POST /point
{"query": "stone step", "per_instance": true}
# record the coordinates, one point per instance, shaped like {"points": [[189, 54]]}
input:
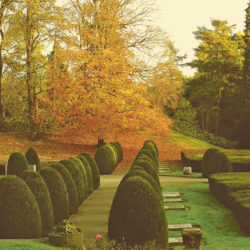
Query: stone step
{"points": [[173, 200], [165, 171], [163, 168], [180, 207], [171, 195], [175, 241], [179, 227]]}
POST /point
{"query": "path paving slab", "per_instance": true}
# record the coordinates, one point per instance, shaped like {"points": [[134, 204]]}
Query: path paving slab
{"points": [[175, 241], [178, 227], [181, 207], [171, 195], [173, 200]]}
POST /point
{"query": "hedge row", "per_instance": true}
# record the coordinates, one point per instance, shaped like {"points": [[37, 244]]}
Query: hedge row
{"points": [[108, 157], [137, 214], [46, 197], [233, 190], [237, 164]]}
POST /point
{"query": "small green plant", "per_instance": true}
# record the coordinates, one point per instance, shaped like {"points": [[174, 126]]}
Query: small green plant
{"points": [[33, 158], [17, 163], [65, 227]]}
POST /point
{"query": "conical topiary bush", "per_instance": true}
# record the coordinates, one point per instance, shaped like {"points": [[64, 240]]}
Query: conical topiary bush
{"points": [[58, 193], [94, 169], [33, 158], [137, 215], [39, 189], [19, 212], [70, 184], [17, 163]]}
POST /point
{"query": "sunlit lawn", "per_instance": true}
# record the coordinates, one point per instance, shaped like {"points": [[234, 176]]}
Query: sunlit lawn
{"points": [[220, 230]]}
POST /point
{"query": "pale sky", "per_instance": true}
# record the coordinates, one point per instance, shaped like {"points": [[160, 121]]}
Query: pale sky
{"points": [[180, 18]]}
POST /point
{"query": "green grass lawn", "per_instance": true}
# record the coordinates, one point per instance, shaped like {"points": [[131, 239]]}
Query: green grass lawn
{"points": [[220, 230], [27, 246]]}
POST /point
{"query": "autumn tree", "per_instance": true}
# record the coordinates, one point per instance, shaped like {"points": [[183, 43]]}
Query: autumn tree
{"points": [[219, 64]]}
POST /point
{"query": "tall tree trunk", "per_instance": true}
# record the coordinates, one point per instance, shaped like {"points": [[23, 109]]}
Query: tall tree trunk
{"points": [[29, 73]]}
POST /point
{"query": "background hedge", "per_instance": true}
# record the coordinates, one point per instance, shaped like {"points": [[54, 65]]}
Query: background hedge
{"points": [[33, 158]]}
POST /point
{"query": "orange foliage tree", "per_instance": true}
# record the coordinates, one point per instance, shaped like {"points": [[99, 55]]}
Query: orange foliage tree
{"points": [[93, 92]]}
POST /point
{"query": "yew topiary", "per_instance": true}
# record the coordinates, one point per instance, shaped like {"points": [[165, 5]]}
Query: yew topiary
{"points": [[94, 169], [19, 211], [105, 160], [76, 174], [17, 163], [143, 156], [58, 193], [33, 158], [151, 144], [137, 215], [70, 184], [89, 173], [149, 152], [39, 189], [78, 162], [115, 153], [119, 150], [206, 161]]}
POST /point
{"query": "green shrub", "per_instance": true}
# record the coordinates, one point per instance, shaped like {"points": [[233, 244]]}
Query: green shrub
{"points": [[115, 152], [76, 174], [33, 158], [70, 184], [151, 144], [19, 212], [58, 193], [17, 163], [142, 156], [137, 214], [105, 160], [94, 169], [152, 149], [78, 162], [119, 150], [39, 189], [88, 172], [149, 168], [137, 170], [149, 152], [218, 163], [206, 161]]}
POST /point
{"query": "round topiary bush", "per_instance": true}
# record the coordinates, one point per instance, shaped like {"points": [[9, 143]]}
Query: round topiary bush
{"points": [[152, 144], [88, 171], [19, 212], [94, 169], [149, 168], [205, 161], [139, 171], [76, 174], [39, 189], [115, 153], [119, 150], [137, 214], [105, 160], [70, 184], [58, 193], [219, 163], [17, 163], [78, 162], [33, 158]]}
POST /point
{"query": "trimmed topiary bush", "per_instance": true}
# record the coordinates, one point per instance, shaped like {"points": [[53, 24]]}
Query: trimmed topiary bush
{"points": [[70, 184], [119, 150], [137, 214], [206, 161], [19, 212], [39, 189], [143, 156], [149, 152], [78, 162], [115, 153], [149, 168], [89, 173], [17, 163], [152, 149], [76, 174], [94, 169], [219, 163], [33, 158], [105, 160], [58, 193], [152, 145]]}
